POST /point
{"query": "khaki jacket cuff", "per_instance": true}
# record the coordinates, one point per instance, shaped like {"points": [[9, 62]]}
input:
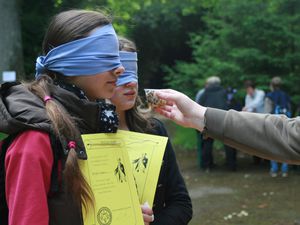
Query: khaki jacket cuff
{"points": [[214, 123]]}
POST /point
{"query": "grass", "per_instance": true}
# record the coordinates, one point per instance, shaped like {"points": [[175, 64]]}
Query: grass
{"points": [[2, 136], [185, 138]]}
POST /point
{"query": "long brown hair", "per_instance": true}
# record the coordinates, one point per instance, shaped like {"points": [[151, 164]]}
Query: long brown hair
{"points": [[65, 27], [136, 119]]}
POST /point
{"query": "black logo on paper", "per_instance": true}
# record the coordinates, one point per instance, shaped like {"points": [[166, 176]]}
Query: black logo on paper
{"points": [[104, 216], [120, 172], [141, 163]]}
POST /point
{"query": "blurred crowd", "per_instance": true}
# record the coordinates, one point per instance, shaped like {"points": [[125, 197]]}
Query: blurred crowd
{"points": [[273, 101]]}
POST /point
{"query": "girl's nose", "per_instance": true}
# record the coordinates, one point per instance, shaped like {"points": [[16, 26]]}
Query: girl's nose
{"points": [[117, 72], [131, 84]]}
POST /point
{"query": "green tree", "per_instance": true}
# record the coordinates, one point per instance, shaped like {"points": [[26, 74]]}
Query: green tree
{"points": [[160, 29], [161, 32], [245, 39], [35, 16]]}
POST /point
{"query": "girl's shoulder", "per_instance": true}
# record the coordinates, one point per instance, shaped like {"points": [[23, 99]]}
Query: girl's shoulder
{"points": [[29, 141], [158, 127]]}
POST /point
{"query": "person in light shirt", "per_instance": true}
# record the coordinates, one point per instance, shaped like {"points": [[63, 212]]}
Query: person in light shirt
{"points": [[254, 100]]}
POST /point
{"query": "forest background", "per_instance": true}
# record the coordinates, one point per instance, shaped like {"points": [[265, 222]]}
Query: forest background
{"points": [[180, 42]]}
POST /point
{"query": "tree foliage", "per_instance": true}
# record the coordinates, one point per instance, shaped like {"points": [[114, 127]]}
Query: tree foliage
{"points": [[181, 43], [161, 33], [160, 29], [244, 40]]}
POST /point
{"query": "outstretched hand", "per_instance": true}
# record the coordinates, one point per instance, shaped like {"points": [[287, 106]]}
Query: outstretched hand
{"points": [[181, 109]]}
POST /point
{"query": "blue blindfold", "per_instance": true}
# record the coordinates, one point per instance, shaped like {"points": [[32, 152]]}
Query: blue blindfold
{"points": [[94, 54], [129, 62]]}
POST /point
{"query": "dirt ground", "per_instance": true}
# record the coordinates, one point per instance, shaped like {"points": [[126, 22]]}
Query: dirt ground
{"points": [[248, 196]]}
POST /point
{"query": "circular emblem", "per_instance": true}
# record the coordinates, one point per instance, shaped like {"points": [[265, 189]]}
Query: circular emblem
{"points": [[104, 216]]}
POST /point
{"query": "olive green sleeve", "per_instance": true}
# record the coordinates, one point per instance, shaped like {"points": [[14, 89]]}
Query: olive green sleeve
{"points": [[268, 136]]}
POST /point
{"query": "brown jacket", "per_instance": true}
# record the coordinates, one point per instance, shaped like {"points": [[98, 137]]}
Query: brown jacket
{"points": [[268, 136]]}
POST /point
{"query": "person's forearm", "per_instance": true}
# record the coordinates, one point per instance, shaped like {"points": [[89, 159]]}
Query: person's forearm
{"points": [[268, 136], [197, 117]]}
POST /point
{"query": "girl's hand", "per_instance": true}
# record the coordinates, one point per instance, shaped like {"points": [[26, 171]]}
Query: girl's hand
{"points": [[147, 213]]}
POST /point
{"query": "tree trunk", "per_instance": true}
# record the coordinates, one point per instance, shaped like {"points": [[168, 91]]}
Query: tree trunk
{"points": [[11, 56]]}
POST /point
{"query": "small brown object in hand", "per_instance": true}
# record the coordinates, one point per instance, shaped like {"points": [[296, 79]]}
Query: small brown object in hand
{"points": [[152, 99]]}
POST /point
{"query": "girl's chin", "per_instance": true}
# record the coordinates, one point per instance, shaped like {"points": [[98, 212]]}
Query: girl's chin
{"points": [[126, 107]]}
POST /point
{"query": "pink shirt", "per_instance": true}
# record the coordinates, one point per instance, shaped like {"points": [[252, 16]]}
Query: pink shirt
{"points": [[28, 165]]}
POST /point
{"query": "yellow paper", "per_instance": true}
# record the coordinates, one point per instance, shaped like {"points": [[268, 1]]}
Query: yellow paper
{"points": [[146, 153], [108, 171]]}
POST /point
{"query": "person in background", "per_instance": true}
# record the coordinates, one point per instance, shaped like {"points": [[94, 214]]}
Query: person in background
{"points": [[297, 113], [278, 102], [214, 95], [40, 179], [172, 204], [232, 101], [231, 153], [267, 136], [254, 102], [199, 94]]}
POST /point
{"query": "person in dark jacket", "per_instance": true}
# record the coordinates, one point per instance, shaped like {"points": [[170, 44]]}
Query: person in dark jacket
{"points": [[40, 180], [230, 152], [278, 102], [172, 204], [215, 96]]}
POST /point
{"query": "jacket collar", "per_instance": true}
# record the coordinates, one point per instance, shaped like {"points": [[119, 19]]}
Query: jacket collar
{"points": [[21, 110]]}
